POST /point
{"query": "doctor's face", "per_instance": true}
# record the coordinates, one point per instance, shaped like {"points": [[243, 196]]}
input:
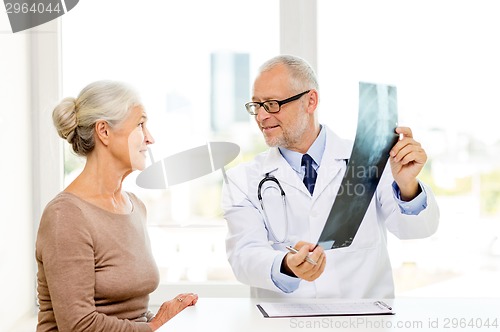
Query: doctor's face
{"points": [[287, 127]]}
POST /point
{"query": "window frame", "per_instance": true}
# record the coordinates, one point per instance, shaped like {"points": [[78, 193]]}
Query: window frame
{"points": [[48, 162]]}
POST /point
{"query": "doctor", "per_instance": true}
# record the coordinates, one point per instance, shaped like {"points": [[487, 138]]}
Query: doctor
{"points": [[284, 102]]}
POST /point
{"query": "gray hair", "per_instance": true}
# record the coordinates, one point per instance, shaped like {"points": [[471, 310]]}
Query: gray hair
{"points": [[75, 119], [302, 75]]}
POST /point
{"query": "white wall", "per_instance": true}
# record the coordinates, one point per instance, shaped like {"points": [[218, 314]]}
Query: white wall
{"points": [[31, 157], [17, 285]]}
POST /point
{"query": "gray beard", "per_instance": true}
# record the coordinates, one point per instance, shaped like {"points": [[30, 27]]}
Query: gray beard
{"points": [[291, 137]]}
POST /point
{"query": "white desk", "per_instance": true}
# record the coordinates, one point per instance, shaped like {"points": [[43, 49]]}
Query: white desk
{"points": [[242, 315]]}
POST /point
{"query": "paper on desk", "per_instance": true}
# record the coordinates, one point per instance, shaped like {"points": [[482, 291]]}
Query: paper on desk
{"points": [[359, 308]]}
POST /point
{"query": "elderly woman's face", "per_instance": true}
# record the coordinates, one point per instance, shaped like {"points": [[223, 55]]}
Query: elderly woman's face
{"points": [[131, 137], [138, 139]]}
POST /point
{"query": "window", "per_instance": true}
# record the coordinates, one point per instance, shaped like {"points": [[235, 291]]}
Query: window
{"points": [[442, 58], [192, 62]]}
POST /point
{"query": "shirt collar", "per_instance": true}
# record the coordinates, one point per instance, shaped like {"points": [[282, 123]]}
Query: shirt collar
{"points": [[316, 150]]}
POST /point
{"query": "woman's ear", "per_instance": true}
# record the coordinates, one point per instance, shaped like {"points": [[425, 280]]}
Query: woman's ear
{"points": [[102, 131]]}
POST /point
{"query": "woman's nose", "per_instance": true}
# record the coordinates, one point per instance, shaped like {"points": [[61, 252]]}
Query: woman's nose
{"points": [[149, 138]]}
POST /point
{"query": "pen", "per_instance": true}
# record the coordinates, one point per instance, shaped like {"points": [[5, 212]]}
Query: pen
{"points": [[294, 251], [382, 305]]}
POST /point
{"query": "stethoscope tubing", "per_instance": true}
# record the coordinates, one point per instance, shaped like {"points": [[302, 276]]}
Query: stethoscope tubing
{"points": [[266, 178], [283, 199]]}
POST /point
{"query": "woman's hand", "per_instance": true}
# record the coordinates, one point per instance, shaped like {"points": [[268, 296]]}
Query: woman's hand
{"points": [[171, 308]]}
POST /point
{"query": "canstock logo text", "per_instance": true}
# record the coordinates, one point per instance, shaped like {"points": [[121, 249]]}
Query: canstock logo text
{"points": [[26, 14]]}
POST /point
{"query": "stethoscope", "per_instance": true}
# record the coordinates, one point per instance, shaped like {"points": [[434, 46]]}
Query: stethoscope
{"points": [[266, 178]]}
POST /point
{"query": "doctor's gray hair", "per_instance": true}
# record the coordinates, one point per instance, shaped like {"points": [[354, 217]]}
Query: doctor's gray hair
{"points": [[75, 118], [302, 75]]}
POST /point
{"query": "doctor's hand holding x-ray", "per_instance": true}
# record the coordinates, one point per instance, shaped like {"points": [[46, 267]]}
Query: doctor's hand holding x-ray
{"points": [[407, 158], [262, 222]]}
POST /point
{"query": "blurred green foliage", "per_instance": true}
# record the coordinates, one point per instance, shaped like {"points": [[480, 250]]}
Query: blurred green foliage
{"points": [[72, 162], [489, 188], [490, 192]]}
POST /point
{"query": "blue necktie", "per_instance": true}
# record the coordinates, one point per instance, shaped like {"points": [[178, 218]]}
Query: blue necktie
{"points": [[310, 173]]}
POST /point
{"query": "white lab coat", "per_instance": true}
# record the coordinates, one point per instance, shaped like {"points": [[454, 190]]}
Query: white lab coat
{"points": [[362, 270]]}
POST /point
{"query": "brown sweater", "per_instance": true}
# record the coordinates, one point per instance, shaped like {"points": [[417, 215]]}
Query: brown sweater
{"points": [[95, 268]]}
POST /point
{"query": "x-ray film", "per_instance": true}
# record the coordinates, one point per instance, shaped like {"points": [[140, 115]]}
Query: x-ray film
{"points": [[375, 136]]}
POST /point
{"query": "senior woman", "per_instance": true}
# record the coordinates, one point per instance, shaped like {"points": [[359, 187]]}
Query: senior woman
{"points": [[95, 266]]}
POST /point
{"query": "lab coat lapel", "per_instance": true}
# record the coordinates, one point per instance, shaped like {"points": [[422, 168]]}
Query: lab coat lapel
{"points": [[337, 150], [278, 167], [333, 160]]}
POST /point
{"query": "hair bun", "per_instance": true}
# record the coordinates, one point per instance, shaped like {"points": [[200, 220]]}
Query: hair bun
{"points": [[64, 118], [75, 118]]}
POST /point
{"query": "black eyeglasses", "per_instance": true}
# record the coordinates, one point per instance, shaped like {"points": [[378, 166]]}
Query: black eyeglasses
{"points": [[271, 106]]}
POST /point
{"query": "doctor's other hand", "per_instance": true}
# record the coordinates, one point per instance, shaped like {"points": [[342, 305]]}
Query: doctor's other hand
{"points": [[297, 264], [171, 308], [407, 158]]}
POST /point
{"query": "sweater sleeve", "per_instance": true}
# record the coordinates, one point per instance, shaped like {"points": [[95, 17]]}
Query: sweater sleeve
{"points": [[66, 254]]}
